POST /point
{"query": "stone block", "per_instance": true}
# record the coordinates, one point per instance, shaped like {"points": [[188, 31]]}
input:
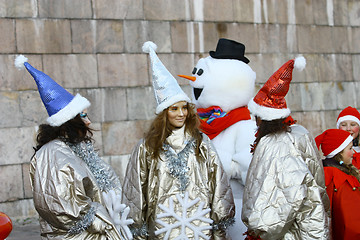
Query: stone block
{"points": [[321, 14], [119, 164], [356, 70], [65, 9], [243, 11], [95, 97], [166, 10], [43, 36], [196, 37], [304, 12], [32, 109], [115, 9], [326, 67], [98, 145], [357, 90], [344, 67], [7, 40], [19, 209], [12, 79], [264, 71], [310, 120], [340, 12], [138, 32], [141, 103], [179, 64], [115, 104], [354, 9], [213, 12], [317, 96], [346, 94], [83, 36], [109, 36], [328, 119], [341, 45], [315, 39], [245, 33], [121, 137], [183, 36], [123, 70], [272, 38], [10, 109], [18, 8], [293, 97], [16, 145], [26, 180], [311, 73], [72, 71], [11, 185], [354, 46]]}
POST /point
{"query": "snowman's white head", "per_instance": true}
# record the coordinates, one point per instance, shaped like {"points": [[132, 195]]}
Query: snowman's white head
{"points": [[227, 83]]}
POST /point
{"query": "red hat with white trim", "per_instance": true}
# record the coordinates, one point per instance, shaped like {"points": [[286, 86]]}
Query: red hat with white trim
{"points": [[269, 103], [348, 113], [333, 141]]}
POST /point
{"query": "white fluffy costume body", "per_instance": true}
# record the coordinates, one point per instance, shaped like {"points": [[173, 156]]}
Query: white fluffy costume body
{"points": [[223, 84]]}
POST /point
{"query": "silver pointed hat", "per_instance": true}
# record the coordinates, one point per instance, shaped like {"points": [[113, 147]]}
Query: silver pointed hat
{"points": [[166, 88]]}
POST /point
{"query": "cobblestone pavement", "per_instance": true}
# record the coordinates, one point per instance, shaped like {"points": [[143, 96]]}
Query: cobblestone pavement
{"points": [[25, 230]]}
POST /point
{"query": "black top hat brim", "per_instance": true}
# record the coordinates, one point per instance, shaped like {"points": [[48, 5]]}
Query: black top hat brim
{"points": [[216, 55]]}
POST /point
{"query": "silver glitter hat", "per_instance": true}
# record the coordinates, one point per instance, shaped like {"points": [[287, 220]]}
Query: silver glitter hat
{"points": [[167, 90]]}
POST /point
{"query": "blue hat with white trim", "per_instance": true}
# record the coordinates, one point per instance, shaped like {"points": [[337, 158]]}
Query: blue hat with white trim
{"points": [[59, 103]]}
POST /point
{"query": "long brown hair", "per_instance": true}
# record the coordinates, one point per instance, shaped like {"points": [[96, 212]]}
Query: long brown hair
{"points": [[270, 127], [346, 168], [73, 131], [161, 128]]}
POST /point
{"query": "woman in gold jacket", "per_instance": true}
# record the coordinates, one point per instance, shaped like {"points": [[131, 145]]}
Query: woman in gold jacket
{"points": [[76, 194], [175, 185]]}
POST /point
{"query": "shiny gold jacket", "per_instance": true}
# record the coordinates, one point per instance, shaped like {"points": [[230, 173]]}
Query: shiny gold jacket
{"points": [[285, 195], [154, 192], [67, 196]]}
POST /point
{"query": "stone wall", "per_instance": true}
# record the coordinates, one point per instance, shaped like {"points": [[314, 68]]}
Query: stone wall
{"points": [[94, 47]]}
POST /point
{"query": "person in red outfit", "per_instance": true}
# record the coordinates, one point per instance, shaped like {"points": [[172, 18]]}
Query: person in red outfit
{"points": [[342, 181], [349, 120]]}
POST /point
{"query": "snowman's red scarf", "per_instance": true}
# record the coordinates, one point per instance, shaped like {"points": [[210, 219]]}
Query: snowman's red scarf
{"points": [[222, 121]]}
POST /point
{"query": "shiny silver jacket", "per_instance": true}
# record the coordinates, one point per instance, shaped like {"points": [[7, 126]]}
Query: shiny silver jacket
{"points": [[285, 195], [150, 187], [67, 196]]}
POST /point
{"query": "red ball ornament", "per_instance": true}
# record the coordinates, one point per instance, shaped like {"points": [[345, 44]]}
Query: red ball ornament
{"points": [[5, 225]]}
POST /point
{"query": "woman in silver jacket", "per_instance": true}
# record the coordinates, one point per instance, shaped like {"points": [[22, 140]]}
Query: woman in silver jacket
{"points": [[284, 195], [76, 194], [175, 185]]}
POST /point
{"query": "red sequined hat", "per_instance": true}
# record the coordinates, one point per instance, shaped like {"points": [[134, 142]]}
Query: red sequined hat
{"points": [[269, 103]]}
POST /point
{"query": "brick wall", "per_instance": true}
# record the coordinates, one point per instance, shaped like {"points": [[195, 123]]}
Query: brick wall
{"points": [[94, 47]]}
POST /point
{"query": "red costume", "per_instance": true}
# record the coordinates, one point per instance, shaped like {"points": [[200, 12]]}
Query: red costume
{"points": [[344, 193]]}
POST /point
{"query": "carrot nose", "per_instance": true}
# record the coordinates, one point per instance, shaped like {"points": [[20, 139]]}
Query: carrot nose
{"points": [[191, 78]]}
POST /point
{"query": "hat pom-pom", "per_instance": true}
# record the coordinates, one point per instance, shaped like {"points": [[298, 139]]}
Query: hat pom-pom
{"points": [[148, 46], [19, 61], [300, 63]]}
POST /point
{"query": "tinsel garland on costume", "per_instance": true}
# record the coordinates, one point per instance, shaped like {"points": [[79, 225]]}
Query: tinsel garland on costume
{"points": [[177, 163], [223, 224], [85, 151], [84, 223], [139, 231]]}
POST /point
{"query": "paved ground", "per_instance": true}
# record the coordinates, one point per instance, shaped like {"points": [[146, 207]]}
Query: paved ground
{"points": [[25, 230]]}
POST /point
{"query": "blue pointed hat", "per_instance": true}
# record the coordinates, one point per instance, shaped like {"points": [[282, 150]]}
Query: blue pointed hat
{"points": [[59, 103]]}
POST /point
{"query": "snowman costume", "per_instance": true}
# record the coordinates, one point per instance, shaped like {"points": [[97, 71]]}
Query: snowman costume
{"points": [[223, 84]]}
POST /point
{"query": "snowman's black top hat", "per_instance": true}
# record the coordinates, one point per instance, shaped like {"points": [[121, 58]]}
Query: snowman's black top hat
{"points": [[229, 49]]}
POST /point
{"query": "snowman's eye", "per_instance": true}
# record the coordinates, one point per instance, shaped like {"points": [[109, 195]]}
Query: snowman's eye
{"points": [[200, 72], [194, 70]]}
